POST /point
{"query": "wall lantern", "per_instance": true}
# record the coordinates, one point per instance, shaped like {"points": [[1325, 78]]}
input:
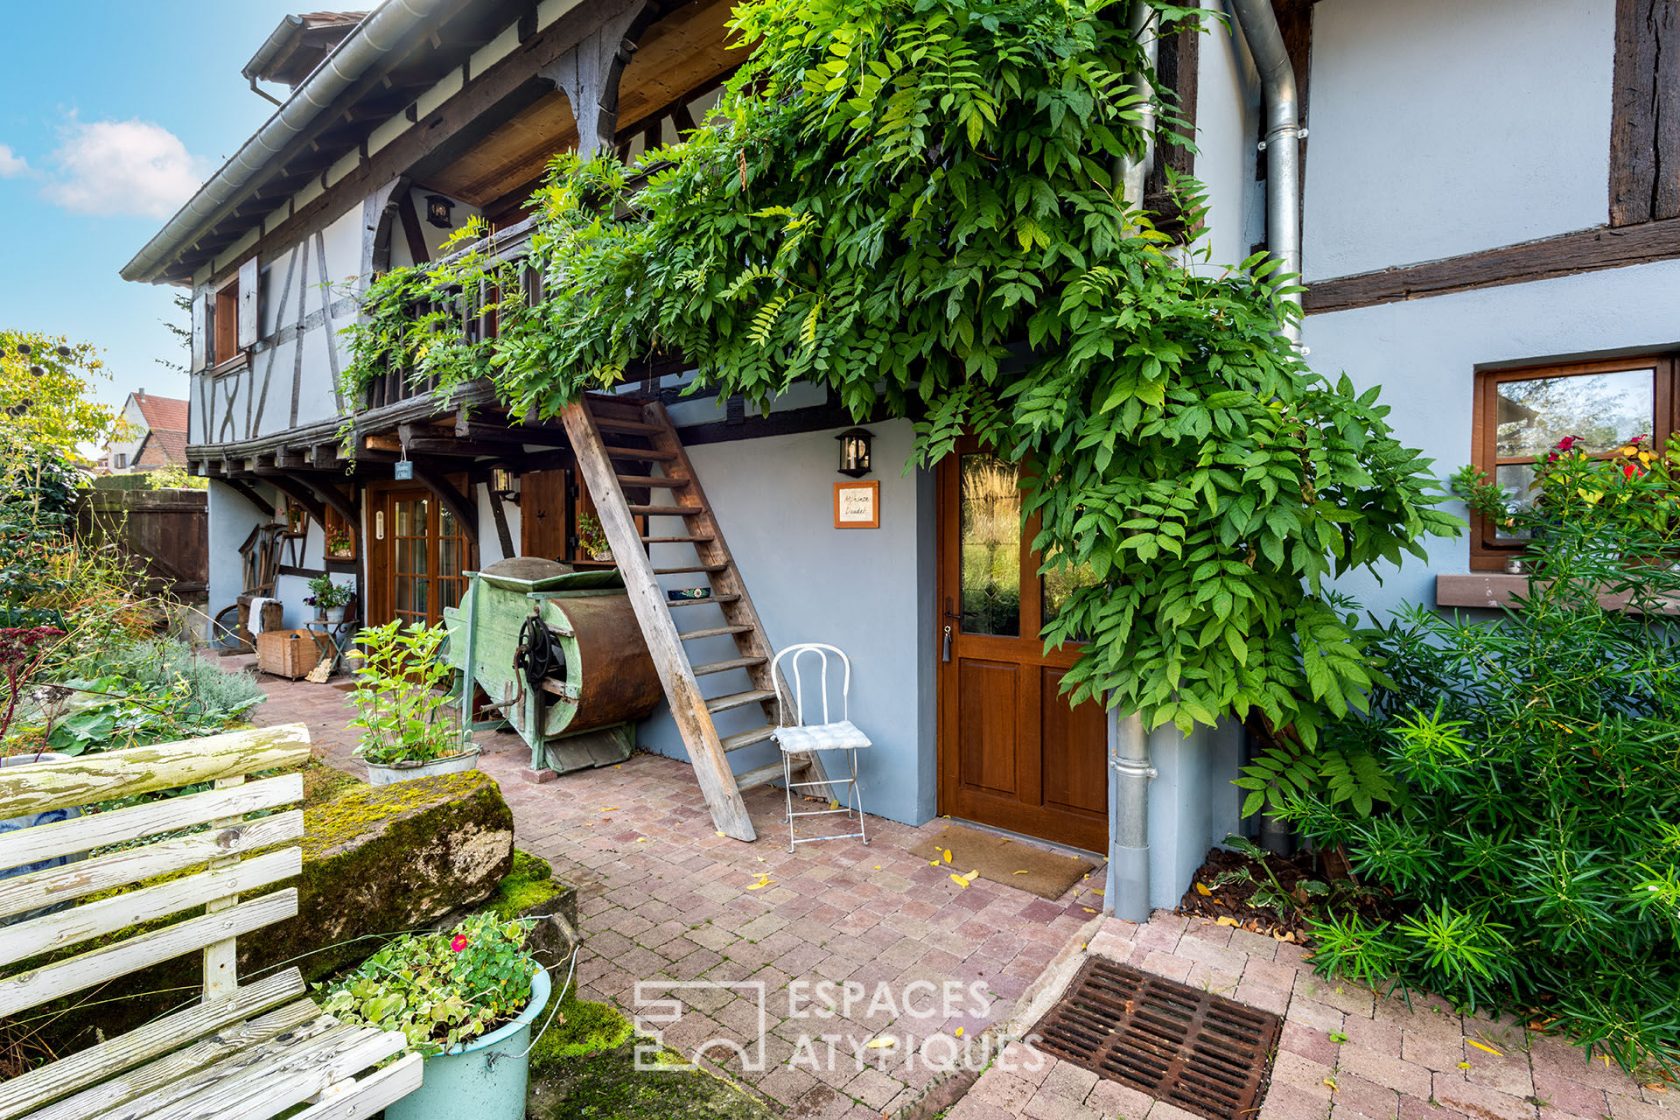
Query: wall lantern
{"points": [[854, 451], [438, 210], [504, 484]]}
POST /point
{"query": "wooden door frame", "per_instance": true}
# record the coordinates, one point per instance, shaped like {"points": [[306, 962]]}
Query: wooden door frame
{"points": [[381, 605], [947, 589]]}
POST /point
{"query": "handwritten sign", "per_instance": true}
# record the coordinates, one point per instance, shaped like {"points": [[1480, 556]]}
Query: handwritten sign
{"points": [[857, 505]]}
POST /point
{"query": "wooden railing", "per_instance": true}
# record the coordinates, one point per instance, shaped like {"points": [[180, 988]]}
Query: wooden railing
{"points": [[474, 310]]}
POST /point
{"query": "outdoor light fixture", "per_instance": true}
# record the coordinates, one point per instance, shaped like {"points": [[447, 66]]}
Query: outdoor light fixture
{"points": [[504, 484], [438, 209], [854, 451]]}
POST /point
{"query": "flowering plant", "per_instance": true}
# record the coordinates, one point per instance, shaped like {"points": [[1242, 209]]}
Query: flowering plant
{"points": [[1635, 485], [440, 989], [323, 592]]}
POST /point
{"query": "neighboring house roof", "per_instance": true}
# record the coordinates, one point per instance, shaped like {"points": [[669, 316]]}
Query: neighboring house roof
{"points": [[401, 49], [162, 448], [162, 413]]}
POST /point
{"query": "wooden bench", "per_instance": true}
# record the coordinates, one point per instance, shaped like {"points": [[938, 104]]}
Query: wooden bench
{"points": [[160, 880]]}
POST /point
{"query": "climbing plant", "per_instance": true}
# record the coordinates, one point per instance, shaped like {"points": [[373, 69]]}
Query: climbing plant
{"points": [[915, 204]]}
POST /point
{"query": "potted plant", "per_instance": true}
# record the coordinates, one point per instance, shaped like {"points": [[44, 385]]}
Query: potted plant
{"points": [[328, 598], [466, 1000], [592, 538], [339, 544], [403, 707]]}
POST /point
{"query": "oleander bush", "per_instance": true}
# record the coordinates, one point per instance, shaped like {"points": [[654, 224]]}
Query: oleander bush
{"points": [[1531, 847]]}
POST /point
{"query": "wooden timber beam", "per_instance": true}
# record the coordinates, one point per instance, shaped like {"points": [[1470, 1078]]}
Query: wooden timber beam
{"points": [[302, 495], [248, 492], [486, 431]]}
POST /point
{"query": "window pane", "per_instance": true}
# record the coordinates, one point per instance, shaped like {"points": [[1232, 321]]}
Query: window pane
{"points": [[1604, 410], [1518, 481], [1060, 582], [991, 547]]}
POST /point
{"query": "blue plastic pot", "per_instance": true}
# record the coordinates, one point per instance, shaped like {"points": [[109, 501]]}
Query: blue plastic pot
{"points": [[484, 1079], [30, 820]]}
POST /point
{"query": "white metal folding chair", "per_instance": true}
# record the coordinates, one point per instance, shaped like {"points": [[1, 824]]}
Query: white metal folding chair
{"points": [[801, 735]]}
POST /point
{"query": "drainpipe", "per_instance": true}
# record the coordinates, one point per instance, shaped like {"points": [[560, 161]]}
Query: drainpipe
{"points": [[1129, 771], [1281, 143]]}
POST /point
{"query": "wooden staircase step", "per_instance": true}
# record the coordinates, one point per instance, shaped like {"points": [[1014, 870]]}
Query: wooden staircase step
{"points": [[743, 739], [639, 454], [615, 424], [720, 600], [678, 540], [691, 568], [713, 632], [667, 511], [764, 775], [739, 699], [726, 666], [617, 404], [640, 481]]}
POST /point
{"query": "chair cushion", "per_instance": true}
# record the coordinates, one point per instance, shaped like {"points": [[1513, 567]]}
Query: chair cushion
{"points": [[841, 736]]}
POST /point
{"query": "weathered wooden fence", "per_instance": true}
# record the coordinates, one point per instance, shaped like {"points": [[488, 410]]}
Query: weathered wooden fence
{"points": [[167, 532]]}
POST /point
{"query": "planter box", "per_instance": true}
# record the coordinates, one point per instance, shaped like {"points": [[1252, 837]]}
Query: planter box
{"points": [[379, 775]]}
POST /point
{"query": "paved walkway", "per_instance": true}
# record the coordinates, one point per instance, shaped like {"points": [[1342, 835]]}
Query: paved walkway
{"points": [[1345, 1053], [913, 957]]}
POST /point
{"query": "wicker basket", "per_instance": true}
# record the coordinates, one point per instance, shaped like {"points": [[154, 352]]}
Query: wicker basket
{"points": [[287, 653]]}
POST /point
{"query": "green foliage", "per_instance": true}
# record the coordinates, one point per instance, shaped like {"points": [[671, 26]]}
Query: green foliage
{"points": [[174, 478], [915, 205], [44, 385], [323, 592], [440, 989], [581, 1029], [212, 693], [1532, 847], [401, 703]]}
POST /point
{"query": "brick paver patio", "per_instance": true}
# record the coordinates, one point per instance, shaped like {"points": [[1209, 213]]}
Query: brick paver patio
{"points": [[1346, 1053], [665, 898]]}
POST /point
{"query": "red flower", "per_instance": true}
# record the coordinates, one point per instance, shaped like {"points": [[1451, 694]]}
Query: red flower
{"points": [[1567, 443], [1628, 470], [459, 943]]}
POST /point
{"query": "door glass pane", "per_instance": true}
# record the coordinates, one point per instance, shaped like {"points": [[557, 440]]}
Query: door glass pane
{"points": [[990, 547], [1603, 410], [1062, 581]]}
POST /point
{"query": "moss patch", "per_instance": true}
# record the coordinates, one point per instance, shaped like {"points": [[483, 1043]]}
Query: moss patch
{"points": [[582, 1028], [529, 885], [608, 1086]]}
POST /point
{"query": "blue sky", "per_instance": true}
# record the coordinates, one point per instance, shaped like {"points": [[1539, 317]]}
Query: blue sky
{"points": [[111, 113]]}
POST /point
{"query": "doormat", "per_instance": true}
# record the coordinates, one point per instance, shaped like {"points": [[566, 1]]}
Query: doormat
{"points": [[1201, 1052], [1002, 860]]}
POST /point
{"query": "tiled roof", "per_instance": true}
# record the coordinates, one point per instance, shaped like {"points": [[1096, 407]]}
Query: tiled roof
{"points": [[162, 448], [165, 414]]}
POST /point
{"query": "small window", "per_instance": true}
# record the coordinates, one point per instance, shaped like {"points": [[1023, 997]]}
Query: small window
{"points": [[225, 323], [1521, 414], [119, 460], [341, 540]]}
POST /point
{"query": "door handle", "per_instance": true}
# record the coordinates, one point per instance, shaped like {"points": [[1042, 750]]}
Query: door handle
{"points": [[945, 645]]}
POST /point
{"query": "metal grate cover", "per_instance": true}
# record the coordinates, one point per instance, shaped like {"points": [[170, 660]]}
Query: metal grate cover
{"points": [[1198, 1051]]}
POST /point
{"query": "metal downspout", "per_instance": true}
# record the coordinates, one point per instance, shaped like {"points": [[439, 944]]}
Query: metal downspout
{"points": [[1281, 141], [1129, 771]]}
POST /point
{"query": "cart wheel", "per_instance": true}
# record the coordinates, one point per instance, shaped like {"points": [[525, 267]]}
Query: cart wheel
{"points": [[224, 629]]}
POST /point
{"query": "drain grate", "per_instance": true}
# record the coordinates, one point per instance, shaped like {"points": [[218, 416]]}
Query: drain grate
{"points": [[1198, 1051]]}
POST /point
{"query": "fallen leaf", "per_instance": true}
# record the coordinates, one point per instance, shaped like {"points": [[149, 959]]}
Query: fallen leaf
{"points": [[1331, 1081], [1485, 1047], [1201, 889], [947, 855], [933, 863], [1023, 871], [609, 808], [885, 1042], [720, 832], [1463, 1065], [833, 804], [763, 881], [641, 839], [877, 867], [1226, 920], [959, 880], [1088, 909], [958, 1032]]}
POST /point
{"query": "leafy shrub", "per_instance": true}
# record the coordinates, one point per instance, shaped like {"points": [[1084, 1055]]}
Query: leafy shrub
{"points": [[401, 703], [162, 663], [440, 989], [1533, 843]]}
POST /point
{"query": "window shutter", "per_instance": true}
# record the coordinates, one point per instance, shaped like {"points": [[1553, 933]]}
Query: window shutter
{"points": [[200, 327], [249, 323]]}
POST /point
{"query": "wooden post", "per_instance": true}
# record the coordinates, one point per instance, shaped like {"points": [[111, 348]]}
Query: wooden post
{"points": [[647, 599]]}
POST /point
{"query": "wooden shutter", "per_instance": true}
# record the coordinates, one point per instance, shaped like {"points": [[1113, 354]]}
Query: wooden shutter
{"points": [[200, 327], [249, 323]]}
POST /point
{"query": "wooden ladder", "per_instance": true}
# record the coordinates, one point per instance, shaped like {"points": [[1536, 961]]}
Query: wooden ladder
{"points": [[619, 442]]}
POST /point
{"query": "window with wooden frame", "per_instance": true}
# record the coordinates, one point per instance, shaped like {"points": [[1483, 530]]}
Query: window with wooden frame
{"points": [[224, 337], [1521, 414], [341, 539]]}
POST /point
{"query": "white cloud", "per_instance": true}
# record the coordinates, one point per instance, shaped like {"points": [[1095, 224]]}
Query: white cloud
{"points": [[11, 164], [123, 167]]}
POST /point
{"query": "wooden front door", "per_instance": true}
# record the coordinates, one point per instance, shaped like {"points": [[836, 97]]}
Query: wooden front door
{"points": [[1012, 752], [542, 515], [416, 557]]}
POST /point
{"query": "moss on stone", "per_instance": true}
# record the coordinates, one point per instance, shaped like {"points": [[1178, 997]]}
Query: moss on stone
{"points": [[525, 888], [608, 1086], [582, 1028]]}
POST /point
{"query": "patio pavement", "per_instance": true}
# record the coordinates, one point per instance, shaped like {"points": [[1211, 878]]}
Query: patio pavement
{"points": [[665, 899]]}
